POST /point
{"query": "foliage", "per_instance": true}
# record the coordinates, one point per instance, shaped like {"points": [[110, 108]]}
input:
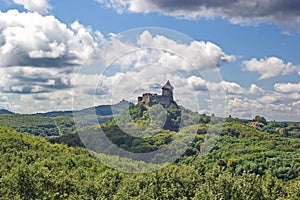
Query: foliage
{"points": [[260, 119], [244, 163], [33, 168], [38, 125]]}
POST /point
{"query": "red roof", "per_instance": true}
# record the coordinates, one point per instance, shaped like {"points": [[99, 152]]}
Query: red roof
{"points": [[254, 124]]}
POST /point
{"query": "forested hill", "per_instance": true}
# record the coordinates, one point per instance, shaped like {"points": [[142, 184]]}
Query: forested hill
{"points": [[4, 111], [101, 110], [32, 168], [57, 123], [257, 160]]}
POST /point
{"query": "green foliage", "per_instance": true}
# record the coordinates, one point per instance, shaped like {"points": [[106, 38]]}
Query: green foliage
{"points": [[136, 111], [260, 119], [244, 163], [38, 125], [32, 168]]}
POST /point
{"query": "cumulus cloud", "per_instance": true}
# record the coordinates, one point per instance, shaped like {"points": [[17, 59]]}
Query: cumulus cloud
{"points": [[4, 101], [176, 56], [276, 97], [40, 6], [271, 98], [38, 66], [254, 89], [296, 104], [44, 42], [41, 59], [199, 84], [244, 107], [3, 98], [269, 67], [33, 80], [39, 63], [236, 11], [287, 87]]}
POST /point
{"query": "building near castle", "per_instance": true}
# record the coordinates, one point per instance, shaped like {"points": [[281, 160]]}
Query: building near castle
{"points": [[165, 99]]}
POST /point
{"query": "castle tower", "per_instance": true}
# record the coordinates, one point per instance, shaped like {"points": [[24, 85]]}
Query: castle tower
{"points": [[167, 90]]}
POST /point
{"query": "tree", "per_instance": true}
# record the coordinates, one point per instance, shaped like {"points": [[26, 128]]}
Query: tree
{"points": [[260, 119]]}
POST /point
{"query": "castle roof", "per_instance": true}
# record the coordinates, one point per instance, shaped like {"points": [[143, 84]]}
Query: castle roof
{"points": [[168, 86]]}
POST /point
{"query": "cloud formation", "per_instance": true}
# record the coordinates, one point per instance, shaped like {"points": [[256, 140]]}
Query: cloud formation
{"points": [[236, 11], [254, 89], [244, 107], [287, 87], [40, 6], [199, 84], [153, 48], [38, 65], [269, 67], [44, 42], [37, 68], [42, 57]]}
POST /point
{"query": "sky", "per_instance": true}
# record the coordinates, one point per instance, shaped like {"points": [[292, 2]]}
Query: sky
{"points": [[233, 57]]}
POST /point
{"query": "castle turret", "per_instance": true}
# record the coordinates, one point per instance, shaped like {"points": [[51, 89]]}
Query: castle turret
{"points": [[167, 90]]}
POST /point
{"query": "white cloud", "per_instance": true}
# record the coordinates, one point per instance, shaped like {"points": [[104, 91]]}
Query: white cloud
{"points": [[199, 84], [236, 11], [4, 101], [40, 6], [38, 66], [39, 63], [269, 67], [42, 57], [287, 87], [44, 42], [243, 107], [275, 97], [231, 87], [271, 98], [254, 89], [3, 98], [150, 48], [296, 104]]}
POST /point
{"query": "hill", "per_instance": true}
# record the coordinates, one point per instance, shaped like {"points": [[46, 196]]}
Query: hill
{"points": [[239, 148], [101, 110], [245, 163], [58, 123], [4, 111], [38, 125], [33, 168]]}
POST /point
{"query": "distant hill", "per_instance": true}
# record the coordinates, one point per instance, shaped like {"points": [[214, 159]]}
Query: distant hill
{"points": [[102, 110], [56, 114], [58, 123], [4, 111]]}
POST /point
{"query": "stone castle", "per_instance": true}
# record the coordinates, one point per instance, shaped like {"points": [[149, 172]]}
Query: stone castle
{"points": [[165, 99]]}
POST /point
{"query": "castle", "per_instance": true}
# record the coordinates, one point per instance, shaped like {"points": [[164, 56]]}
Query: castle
{"points": [[166, 99]]}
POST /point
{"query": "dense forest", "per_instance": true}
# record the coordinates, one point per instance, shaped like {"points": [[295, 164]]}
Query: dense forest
{"points": [[246, 162]]}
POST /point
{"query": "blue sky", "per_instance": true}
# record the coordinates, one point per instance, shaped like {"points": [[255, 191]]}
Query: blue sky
{"points": [[256, 46]]}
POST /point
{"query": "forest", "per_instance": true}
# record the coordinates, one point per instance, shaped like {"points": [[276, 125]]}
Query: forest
{"points": [[43, 157]]}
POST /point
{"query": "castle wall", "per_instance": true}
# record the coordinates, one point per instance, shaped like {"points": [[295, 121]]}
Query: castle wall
{"points": [[151, 99], [165, 100]]}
